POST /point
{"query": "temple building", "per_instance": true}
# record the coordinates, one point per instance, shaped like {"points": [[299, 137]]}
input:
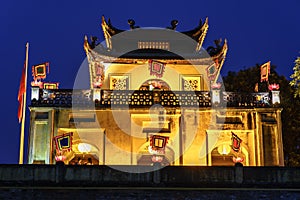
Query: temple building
{"points": [[154, 95]]}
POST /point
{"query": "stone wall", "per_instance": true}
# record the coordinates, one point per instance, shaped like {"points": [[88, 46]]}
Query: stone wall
{"points": [[103, 182]]}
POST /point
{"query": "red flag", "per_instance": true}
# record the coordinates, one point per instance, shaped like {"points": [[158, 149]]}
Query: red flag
{"points": [[22, 89]]}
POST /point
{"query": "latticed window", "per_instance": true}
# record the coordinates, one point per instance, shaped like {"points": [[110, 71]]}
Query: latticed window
{"points": [[154, 45]]}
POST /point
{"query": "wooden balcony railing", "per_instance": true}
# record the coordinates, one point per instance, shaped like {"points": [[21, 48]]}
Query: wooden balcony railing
{"points": [[138, 98]]}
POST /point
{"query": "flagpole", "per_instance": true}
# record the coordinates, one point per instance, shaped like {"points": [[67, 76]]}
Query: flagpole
{"points": [[21, 153]]}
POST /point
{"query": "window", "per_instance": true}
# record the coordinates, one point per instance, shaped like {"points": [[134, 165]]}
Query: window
{"points": [[154, 45], [191, 83], [119, 82]]}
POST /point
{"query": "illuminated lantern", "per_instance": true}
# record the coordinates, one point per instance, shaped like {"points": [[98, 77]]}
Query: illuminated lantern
{"points": [[265, 71], [236, 142], [156, 68], [63, 142], [50, 86], [39, 71], [158, 142]]}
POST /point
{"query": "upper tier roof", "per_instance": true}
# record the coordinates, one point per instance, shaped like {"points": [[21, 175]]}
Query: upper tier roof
{"points": [[194, 33], [197, 34], [155, 43]]}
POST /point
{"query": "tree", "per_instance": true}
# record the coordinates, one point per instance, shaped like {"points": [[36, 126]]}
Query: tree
{"points": [[245, 81], [296, 77]]}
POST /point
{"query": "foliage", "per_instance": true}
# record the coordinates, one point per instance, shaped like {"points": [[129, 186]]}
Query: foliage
{"points": [[245, 81], [296, 77]]}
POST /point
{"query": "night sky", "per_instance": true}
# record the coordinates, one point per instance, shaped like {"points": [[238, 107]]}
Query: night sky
{"points": [[257, 31]]}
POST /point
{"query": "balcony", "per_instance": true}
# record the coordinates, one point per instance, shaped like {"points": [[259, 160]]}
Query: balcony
{"points": [[139, 98]]}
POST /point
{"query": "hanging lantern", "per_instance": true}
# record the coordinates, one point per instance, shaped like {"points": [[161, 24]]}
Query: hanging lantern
{"points": [[63, 142], [158, 142], [156, 68], [236, 142]]}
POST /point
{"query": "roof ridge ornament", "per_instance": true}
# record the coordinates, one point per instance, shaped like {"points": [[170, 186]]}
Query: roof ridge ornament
{"points": [[218, 55], [215, 50], [131, 23], [200, 22], [94, 42], [174, 24]]}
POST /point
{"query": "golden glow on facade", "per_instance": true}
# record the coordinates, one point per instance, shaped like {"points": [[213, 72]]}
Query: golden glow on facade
{"points": [[115, 119], [84, 147], [224, 149]]}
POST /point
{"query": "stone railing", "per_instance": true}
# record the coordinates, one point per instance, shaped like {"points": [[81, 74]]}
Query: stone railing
{"points": [[169, 176], [140, 98], [188, 182]]}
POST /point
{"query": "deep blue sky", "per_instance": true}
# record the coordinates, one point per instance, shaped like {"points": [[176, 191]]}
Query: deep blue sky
{"points": [[257, 31]]}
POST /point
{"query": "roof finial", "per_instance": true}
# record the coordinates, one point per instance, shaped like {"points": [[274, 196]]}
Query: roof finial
{"points": [[93, 43], [215, 50], [131, 23], [200, 22], [174, 24]]}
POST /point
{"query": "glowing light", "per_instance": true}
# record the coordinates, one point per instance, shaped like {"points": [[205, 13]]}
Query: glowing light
{"points": [[84, 147], [224, 149], [273, 86], [155, 151], [60, 158], [157, 158], [237, 159]]}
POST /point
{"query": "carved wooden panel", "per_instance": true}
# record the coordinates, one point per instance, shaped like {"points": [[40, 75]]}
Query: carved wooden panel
{"points": [[119, 82], [191, 83]]}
